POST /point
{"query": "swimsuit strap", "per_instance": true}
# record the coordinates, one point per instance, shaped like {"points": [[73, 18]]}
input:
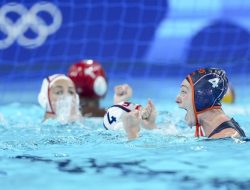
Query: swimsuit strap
{"points": [[226, 125]]}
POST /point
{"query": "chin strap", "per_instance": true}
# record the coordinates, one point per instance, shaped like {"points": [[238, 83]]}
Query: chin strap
{"points": [[49, 112], [198, 131]]}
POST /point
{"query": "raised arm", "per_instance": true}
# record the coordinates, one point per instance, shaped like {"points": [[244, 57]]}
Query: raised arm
{"points": [[131, 123]]}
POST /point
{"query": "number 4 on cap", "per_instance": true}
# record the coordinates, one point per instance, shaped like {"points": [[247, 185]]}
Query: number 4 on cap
{"points": [[214, 82]]}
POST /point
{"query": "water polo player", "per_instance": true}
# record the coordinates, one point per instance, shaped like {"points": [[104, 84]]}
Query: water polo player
{"points": [[91, 85], [59, 99], [200, 95]]}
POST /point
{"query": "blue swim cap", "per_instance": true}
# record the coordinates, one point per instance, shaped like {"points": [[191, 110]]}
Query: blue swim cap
{"points": [[209, 86]]}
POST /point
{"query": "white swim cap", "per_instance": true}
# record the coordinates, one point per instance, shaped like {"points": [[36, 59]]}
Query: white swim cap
{"points": [[113, 118], [43, 97]]}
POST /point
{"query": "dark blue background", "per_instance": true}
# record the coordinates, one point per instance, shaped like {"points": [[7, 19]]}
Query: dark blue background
{"points": [[118, 34], [110, 31]]}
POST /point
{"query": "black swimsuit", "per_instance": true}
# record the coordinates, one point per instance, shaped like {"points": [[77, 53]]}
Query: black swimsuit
{"points": [[226, 125]]}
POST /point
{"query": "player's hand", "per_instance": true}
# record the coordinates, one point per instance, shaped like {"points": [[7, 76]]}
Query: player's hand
{"points": [[148, 115], [122, 93], [131, 122]]}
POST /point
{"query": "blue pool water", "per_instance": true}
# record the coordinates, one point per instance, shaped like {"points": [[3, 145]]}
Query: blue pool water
{"points": [[35, 155]]}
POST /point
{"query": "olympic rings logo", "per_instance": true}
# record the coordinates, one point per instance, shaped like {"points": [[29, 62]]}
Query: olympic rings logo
{"points": [[15, 30]]}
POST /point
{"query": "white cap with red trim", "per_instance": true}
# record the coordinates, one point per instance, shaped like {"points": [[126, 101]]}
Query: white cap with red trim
{"points": [[43, 97]]}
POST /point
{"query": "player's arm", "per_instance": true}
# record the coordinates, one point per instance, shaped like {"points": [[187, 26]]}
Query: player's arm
{"points": [[131, 123]]}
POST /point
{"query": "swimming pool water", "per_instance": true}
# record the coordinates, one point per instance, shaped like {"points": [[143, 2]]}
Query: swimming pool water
{"points": [[35, 155]]}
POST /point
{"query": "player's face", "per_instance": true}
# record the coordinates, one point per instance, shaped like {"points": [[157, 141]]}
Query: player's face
{"points": [[62, 95], [184, 100]]}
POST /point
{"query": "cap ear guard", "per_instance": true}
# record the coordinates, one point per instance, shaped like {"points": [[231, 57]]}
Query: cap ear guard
{"points": [[100, 86], [43, 94], [77, 101], [112, 118]]}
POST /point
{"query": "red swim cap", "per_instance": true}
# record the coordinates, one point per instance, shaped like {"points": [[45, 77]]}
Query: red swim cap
{"points": [[89, 78]]}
